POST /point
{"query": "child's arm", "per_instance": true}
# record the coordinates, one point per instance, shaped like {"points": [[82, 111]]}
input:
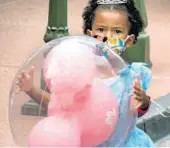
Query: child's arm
{"points": [[40, 96], [25, 82], [143, 77], [142, 98]]}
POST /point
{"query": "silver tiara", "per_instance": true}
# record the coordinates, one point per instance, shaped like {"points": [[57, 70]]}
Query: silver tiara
{"points": [[101, 2]]}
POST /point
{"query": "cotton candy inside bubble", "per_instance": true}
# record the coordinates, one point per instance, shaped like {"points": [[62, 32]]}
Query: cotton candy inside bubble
{"points": [[75, 74], [74, 63]]}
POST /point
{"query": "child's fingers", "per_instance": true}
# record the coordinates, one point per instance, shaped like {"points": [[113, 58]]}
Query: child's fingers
{"points": [[26, 76], [23, 74], [136, 85], [17, 82], [19, 77], [135, 102], [138, 105], [31, 70], [136, 97], [137, 88], [137, 92]]}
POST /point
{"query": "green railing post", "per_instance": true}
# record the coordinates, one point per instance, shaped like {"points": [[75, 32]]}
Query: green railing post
{"points": [[57, 27], [57, 20], [140, 52], [57, 24]]}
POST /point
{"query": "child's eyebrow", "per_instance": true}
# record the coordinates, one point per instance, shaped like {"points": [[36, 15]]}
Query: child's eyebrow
{"points": [[118, 28], [103, 26], [100, 25]]}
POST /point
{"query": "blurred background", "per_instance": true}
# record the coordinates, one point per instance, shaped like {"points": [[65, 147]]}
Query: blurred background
{"points": [[22, 28]]}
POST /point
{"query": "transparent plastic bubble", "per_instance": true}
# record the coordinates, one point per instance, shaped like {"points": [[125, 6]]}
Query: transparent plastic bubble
{"points": [[24, 113]]}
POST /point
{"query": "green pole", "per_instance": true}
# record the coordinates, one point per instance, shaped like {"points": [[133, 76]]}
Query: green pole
{"points": [[140, 52], [57, 24], [57, 20], [57, 27]]}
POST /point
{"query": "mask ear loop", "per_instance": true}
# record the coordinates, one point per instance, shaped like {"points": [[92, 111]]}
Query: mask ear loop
{"points": [[125, 43], [126, 39]]}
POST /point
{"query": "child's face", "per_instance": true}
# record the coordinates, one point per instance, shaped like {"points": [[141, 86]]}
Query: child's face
{"points": [[113, 23]]}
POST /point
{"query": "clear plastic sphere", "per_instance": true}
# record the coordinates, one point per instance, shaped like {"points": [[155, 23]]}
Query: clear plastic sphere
{"points": [[24, 113]]}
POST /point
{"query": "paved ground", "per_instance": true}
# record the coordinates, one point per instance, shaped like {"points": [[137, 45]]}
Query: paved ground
{"points": [[164, 142], [22, 27]]}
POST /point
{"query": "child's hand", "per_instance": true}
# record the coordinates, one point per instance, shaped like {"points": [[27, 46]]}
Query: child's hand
{"points": [[25, 80], [139, 96]]}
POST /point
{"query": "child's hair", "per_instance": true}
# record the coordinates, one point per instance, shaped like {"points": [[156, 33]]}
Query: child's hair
{"points": [[129, 7]]}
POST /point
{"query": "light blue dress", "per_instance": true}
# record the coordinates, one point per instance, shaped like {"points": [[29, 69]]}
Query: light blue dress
{"points": [[121, 87], [139, 139]]}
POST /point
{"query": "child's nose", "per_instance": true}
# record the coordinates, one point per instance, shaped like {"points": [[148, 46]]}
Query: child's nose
{"points": [[111, 34], [108, 34]]}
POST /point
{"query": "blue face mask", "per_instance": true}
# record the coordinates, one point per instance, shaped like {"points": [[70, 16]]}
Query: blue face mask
{"points": [[117, 45]]}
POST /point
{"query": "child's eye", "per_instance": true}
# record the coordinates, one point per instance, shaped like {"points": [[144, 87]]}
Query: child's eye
{"points": [[100, 29], [118, 31]]}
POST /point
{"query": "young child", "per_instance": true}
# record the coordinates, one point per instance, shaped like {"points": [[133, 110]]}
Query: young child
{"points": [[113, 18], [105, 19], [122, 20]]}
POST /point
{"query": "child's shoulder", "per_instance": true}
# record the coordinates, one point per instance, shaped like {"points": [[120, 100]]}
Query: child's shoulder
{"points": [[140, 67], [140, 64], [137, 70]]}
